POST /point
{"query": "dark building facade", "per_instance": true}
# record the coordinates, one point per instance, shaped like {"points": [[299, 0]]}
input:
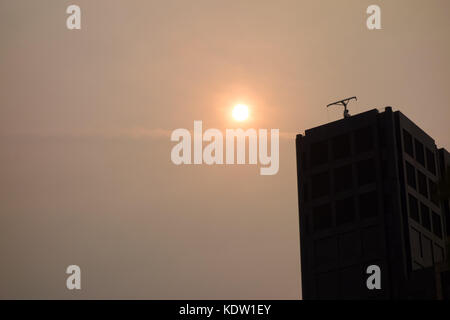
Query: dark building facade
{"points": [[367, 191], [444, 274]]}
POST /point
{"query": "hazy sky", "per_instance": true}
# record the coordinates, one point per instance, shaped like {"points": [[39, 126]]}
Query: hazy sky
{"points": [[85, 118]]}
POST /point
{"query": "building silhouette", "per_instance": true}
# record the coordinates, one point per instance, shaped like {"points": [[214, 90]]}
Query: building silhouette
{"points": [[368, 195]]}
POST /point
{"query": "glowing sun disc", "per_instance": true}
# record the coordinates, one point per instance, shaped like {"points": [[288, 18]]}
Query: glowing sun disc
{"points": [[240, 112]]}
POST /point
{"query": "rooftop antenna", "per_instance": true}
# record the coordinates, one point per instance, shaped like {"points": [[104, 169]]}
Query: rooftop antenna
{"points": [[344, 103]]}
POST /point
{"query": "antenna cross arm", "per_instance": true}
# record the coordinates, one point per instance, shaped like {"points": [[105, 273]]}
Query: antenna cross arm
{"points": [[343, 102]]}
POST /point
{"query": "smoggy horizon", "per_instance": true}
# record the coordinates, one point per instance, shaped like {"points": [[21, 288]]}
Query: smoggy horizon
{"points": [[87, 115]]}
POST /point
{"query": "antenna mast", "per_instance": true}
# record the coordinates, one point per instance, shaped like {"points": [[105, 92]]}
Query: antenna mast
{"points": [[344, 103]]}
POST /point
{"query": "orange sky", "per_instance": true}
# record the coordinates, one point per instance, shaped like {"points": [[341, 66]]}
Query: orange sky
{"points": [[85, 117]]}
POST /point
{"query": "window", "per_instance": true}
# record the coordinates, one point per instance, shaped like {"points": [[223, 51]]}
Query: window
{"points": [[420, 157], [320, 184], [410, 175], [438, 254], [433, 192], [371, 242], [427, 251], [341, 146], [350, 246], [363, 139], [345, 211], [322, 217], [343, 178], [326, 251], [431, 164], [365, 171], [327, 284], [416, 244], [408, 144], [351, 280], [423, 189], [437, 225], [413, 208], [425, 215], [368, 205], [319, 153]]}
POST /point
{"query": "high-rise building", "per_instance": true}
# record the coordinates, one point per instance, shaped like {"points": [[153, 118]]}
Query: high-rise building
{"points": [[368, 195]]}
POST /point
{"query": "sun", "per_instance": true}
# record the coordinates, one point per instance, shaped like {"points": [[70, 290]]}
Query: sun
{"points": [[240, 112]]}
